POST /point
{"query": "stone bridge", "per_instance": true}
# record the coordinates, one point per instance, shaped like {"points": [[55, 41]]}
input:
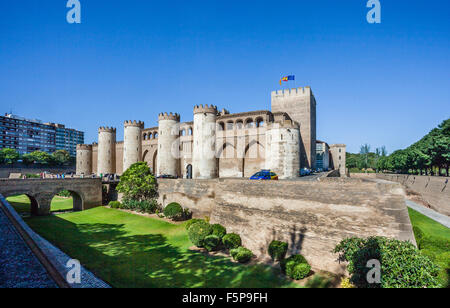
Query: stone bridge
{"points": [[86, 193]]}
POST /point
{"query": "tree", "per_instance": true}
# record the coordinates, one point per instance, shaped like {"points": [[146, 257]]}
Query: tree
{"points": [[364, 151], [10, 155], [138, 183], [61, 157]]}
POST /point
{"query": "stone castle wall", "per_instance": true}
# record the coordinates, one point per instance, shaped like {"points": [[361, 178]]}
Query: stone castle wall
{"points": [[312, 216], [216, 144], [433, 189]]}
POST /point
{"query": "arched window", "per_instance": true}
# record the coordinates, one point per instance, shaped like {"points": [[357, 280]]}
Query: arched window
{"points": [[230, 125], [220, 126], [183, 132], [239, 124], [190, 131], [260, 122], [155, 135], [249, 123]]}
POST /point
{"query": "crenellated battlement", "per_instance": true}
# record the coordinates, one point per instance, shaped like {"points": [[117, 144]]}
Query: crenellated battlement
{"points": [[86, 147], [106, 129], [306, 91], [205, 109], [169, 116], [134, 123]]}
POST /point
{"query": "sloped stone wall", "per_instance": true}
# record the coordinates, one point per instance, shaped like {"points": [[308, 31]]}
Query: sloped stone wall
{"points": [[433, 189], [312, 216]]}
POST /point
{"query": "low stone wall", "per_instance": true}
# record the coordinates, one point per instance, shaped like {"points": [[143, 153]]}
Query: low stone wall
{"points": [[312, 216], [5, 171], [435, 190]]}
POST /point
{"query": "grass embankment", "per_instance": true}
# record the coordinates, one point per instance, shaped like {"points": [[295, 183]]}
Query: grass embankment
{"points": [[433, 240], [128, 250], [22, 204]]}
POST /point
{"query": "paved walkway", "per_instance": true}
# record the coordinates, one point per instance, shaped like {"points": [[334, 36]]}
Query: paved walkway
{"points": [[440, 218], [19, 267]]}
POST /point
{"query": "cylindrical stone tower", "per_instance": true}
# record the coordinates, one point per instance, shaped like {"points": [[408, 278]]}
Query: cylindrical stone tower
{"points": [[106, 158], [132, 143], [283, 149], [168, 144], [84, 159], [204, 161]]}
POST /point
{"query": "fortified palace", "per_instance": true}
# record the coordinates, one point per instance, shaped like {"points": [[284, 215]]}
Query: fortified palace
{"points": [[219, 144]]}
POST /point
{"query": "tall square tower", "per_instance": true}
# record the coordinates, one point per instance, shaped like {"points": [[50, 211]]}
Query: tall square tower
{"points": [[300, 104]]}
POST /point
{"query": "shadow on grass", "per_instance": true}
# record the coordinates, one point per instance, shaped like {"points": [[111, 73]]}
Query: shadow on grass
{"points": [[148, 260]]}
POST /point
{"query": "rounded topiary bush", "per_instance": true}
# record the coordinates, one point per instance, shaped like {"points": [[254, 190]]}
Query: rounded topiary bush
{"points": [[231, 240], [241, 254], [219, 230], [299, 271], [288, 264], [278, 250], [191, 222], [114, 204], [211, 242], [198, 231], [173, 211]]}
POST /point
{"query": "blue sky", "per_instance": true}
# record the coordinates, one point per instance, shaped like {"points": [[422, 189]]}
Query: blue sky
{"points": [[382, 84]]}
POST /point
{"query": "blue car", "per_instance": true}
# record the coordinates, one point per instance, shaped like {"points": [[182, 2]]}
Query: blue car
{"points": [[264, 175]]}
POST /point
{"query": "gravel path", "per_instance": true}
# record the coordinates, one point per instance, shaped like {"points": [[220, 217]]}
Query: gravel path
{"points": [[440, 218], [19, 268]]}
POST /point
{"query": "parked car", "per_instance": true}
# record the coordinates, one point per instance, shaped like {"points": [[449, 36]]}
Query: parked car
{"points": [[264, 175], [305, 171]]}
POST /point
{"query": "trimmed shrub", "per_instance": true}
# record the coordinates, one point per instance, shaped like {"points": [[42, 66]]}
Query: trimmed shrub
{"points": [[173, 211], [219, 230], [198, 231], [143, 206], [211, 242], [114, 204], [402, 265], [300, 271], [231, 240], [278, 250], [288, 264], [191, 222], [241, 254]]}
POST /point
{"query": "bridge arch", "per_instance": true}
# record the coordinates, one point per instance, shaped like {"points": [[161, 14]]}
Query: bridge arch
{"points": [[77, 198], [34, 203]]}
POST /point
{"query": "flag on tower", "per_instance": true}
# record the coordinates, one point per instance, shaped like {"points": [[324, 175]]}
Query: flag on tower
{"points": [[287, 78]]}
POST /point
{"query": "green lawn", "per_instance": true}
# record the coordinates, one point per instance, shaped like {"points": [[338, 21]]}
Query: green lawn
{"points": [[435, 242], [22, 204], [128, 250]]}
